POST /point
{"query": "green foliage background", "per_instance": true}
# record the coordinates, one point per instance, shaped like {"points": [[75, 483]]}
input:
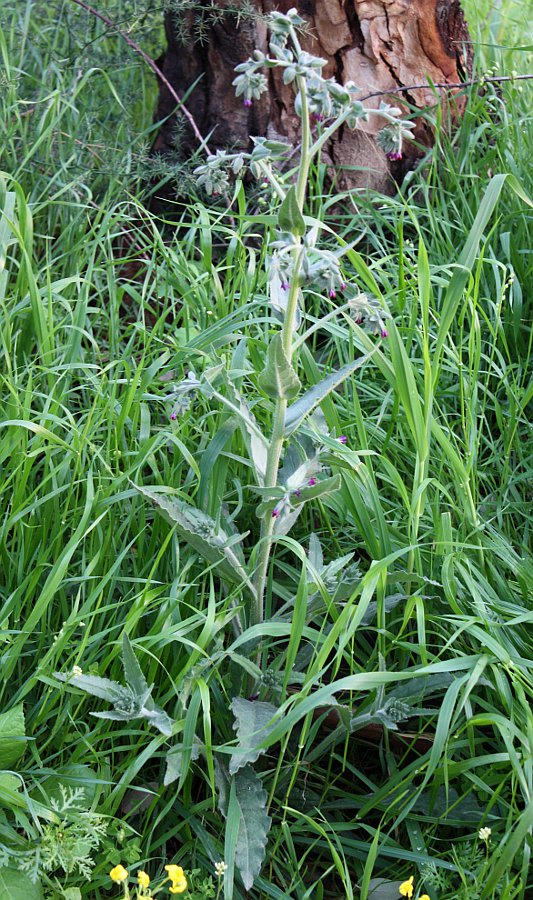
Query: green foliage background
{"points": [[101, 304]]}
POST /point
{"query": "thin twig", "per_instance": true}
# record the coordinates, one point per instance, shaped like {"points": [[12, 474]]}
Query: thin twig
{"points": [[153, 65], [446, 84]]}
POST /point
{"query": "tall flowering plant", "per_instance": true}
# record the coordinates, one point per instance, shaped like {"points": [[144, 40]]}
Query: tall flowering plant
{"points": [[289, 462], [292, 461]]}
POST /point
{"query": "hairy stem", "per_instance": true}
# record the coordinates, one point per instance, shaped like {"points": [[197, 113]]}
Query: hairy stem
{"points": [[278, 428]]}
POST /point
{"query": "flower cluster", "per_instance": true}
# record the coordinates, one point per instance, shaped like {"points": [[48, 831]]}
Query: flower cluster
{"points": [[326, 97], [319, 268], [176, 876], [303, 477], [392, 138], [214, 175], [182, 395], [367, 311]]}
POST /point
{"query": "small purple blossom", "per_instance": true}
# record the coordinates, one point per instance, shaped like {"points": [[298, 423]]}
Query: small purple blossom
{"points": [[173, 416], [394, 155], [332, 294], [384, 333], [343, 439], [311, 482], [246, 102], [343, 286], [316, 117], [275, 513], [297, 492], [253, 697], [284, 285]]}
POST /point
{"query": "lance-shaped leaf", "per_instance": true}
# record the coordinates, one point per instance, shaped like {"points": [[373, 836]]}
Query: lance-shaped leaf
{"points": [[176, 758], [242, 801], [320, 489], [103, 688], [253, 721], [305, 404], [279, 298], [132, 670], [130, 701], [256, 442], [290, 215], [316, 556], [278, 379], [202, 533]]}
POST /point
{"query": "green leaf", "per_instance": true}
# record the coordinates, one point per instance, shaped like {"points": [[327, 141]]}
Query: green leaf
{"points": [[133, 672], [278, 379], [320, 489], [243, 803], [290, 215], [253, 722], [9, 786], [128, 705], [258, 446], [103, 688], [202, 533], [177, 761], [305, 404], [381, 889], [14, 885], [467, 258], [12, 736]]}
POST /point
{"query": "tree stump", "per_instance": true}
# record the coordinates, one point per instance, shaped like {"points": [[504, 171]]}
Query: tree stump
{"points": [[380, 45]]}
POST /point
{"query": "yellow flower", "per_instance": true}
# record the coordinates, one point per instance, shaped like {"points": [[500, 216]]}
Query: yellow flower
{"points": [[406, 888], [178, 886], [143, 878], [118, 874], [174, 872], [424, 897]]}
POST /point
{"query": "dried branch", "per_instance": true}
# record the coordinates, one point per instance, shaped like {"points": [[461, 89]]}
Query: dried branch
{"points": [[153, 65], [450, 85]]}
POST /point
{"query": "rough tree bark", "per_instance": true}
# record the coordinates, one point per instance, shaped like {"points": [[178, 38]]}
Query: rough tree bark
{"points": [[379, 44]]}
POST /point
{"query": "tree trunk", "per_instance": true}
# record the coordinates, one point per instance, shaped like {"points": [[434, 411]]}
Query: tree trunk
{"points": [[380, 45]]}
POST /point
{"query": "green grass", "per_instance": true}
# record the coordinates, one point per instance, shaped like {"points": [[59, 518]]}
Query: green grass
{"points": [[434, 504]]}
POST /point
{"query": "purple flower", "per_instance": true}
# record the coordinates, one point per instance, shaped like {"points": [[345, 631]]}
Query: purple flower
{"points": [[384, 333], [311, 482], [332, 294], [275, 513], [316, 117], [297, 492], [284, 285], [343, 286], [247, 101], [173, 416], [253, 697], [394, 155], [343, 439]]}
